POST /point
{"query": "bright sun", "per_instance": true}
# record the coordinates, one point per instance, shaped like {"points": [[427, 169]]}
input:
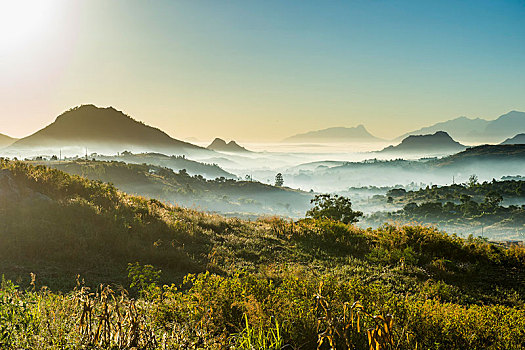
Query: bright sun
{"points": [[22, 22]]}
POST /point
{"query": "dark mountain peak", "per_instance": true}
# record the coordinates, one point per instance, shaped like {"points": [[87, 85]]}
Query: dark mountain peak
{"points": [[91, 125], [91, 113], [220, 145], [438, 135], [218, 142], [438, 142]]}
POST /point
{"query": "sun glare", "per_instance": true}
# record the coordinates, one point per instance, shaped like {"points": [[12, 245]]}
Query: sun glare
{"points": [[23, 22]]}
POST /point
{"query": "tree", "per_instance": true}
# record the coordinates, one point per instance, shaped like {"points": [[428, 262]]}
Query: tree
{"points": [[279, 181], [472, 180], [335, 207], [493, 199]]}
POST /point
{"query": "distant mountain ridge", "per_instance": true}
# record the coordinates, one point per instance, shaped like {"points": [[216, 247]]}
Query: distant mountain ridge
{"points": [[6, 140], [438, 143], [516, 140], [477, 130], [335, 134], [220, 145], [91, 126]]}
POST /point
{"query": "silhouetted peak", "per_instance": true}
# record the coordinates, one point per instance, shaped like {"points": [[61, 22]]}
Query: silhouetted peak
{"points": [[89, 124], [218, 142], [438, 136], [436, 142], [92, 112], [220, 145]]}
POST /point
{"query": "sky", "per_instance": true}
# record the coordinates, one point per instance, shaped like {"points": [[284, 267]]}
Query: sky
{"points": [[258, 71]]}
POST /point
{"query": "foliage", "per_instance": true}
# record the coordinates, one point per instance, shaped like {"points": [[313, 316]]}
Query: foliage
{"points": [[279, 181], [144, 278], [333, 207], [268, 283]]}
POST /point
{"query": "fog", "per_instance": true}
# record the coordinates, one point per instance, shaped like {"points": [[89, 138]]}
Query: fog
{"points": [[353, 170]]}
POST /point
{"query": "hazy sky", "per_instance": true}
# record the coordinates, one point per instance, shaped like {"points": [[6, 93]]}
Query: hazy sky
{"points": [[261, 70]]}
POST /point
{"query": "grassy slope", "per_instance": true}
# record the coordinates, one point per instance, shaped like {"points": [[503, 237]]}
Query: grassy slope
{"points": [[58, 225], [219, 195]]}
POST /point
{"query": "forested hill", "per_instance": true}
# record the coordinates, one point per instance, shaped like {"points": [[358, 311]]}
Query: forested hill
{"points": [[221, 195], [175, 162]]}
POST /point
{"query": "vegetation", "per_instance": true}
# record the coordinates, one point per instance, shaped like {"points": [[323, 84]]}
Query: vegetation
{"points": [[462, 206], [176, 278], [279, 181], [221, 194], [333, 207]]}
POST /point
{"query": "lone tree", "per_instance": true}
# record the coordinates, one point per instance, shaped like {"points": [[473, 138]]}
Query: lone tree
{"points": [[333, 207], [279, 181], [472, 180]]}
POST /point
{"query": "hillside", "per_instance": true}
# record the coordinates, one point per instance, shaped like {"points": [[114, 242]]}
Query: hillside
{"points": [[485, 153], [176, 163], [516, 140], [336, 134], [269, 280], [226, 196], [221, 146], [6, 140], [478, 130], [99, 130], [487, 162], [437, 143]]}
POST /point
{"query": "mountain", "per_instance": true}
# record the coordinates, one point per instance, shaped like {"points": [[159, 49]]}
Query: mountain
{"points": [[477, 130], [486, 155], [6, 140], [337, 134], [460, 128], [516, 140], [505, 126], [221, 146], [437, 143], [101, 129]]}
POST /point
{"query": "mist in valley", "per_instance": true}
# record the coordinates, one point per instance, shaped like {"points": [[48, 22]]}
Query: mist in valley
{"points": [[243, 184]]}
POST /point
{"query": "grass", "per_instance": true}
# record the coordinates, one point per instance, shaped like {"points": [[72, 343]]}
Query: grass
{"points": [[159, 276]]}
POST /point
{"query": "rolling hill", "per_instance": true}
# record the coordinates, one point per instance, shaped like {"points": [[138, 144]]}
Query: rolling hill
{"points": [[432, 144], [100, 129], [336, 134]]}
